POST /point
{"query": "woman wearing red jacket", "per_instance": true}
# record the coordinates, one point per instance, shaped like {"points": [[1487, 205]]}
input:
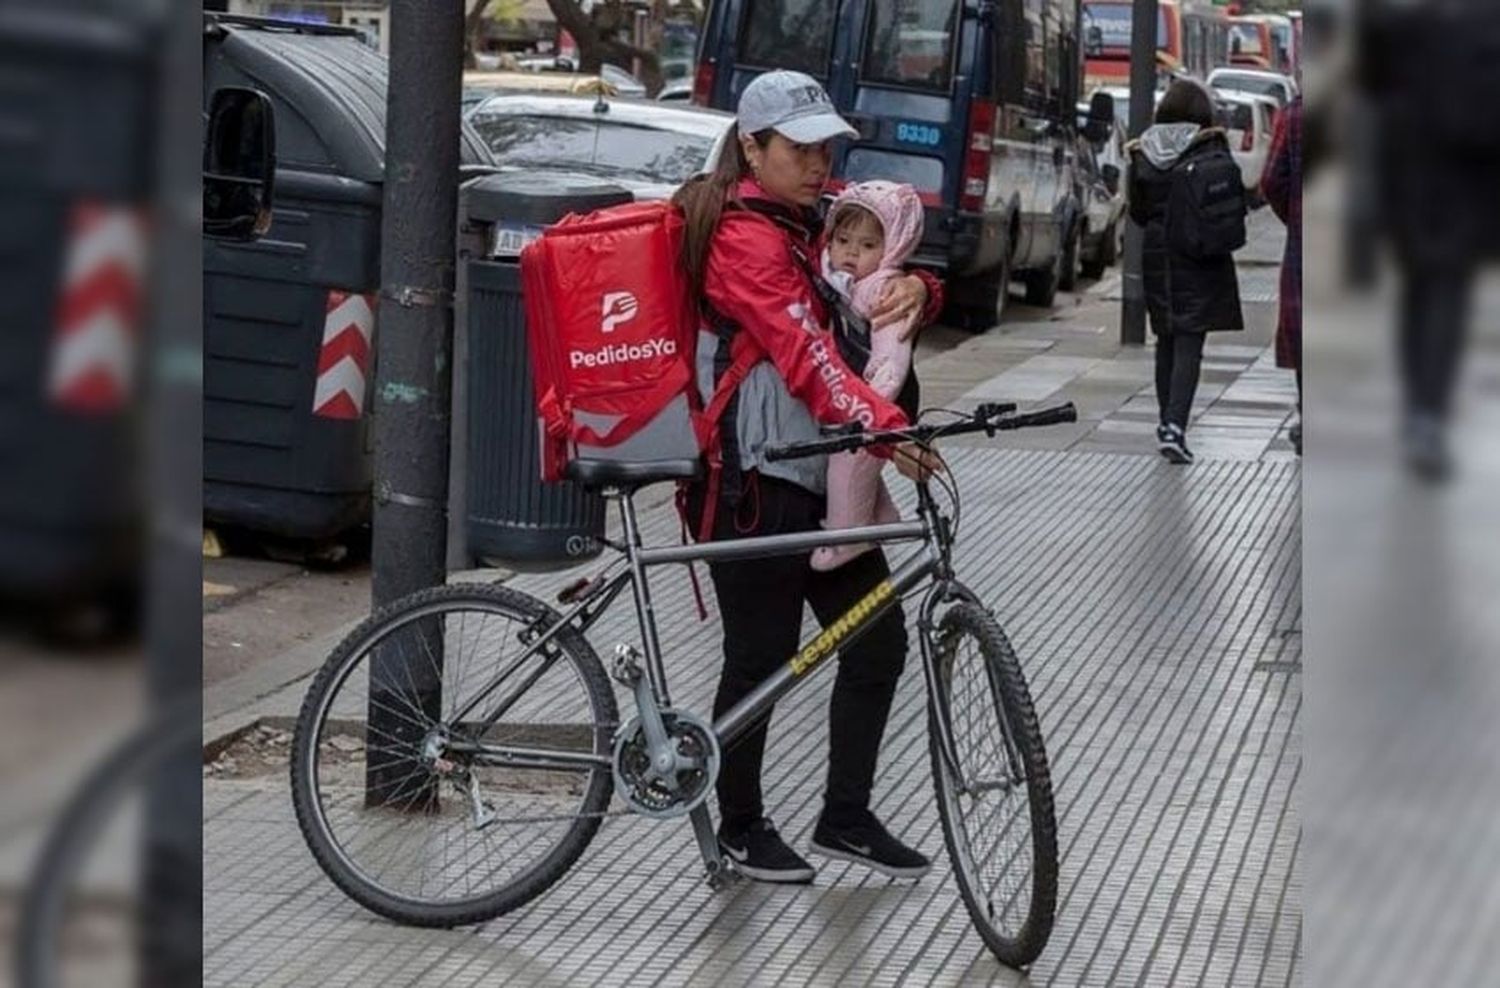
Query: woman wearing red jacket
{"points": [[750, 249]]}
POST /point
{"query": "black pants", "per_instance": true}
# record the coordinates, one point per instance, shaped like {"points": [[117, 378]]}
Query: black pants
{"points": [[760, 601], [1434, 325], [1179, 358]]}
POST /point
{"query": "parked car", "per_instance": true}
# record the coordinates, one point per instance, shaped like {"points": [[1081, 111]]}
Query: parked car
{"points": [[1248, 120], [480, 86], [1121, 96], [623, 82], [649, 148], [945, 99], [680, 91], [1281, 88], [1101, 171]]}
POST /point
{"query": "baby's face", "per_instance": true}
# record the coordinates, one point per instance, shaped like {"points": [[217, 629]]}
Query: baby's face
{"points": [[857, 248]]}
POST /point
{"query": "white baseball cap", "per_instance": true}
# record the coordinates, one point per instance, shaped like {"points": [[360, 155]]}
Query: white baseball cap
{"points": [[794, 105]]}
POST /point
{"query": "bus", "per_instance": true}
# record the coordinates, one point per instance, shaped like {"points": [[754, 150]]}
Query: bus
{"points": [[1205, 40], [1191, 39], [1264, 41]]}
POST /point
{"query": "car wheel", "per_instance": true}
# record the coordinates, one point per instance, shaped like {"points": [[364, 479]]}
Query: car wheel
{"points": [[976, 302], [1113, 245], [1094, 262], [1041, 286], [1068, 277]]}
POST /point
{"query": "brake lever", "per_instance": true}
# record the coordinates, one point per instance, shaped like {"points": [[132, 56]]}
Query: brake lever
{"points": [[994, 409], [990, 412]]}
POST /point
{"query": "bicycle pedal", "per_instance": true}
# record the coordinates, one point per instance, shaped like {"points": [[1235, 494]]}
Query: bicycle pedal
{"points": [[626, 668], [725, 877]]}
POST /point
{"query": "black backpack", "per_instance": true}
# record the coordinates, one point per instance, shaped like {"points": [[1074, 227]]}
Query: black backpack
{"points": [[1206, 206]]}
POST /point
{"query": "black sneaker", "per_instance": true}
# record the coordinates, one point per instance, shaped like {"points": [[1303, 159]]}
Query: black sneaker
{"points": [[870, 844], [1426, 443], [1171, 442], [759, 853]]}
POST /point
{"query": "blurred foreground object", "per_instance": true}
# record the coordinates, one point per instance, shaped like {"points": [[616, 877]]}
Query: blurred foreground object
{"points": [[1403, 683], [99, 407], [75, 180], [1431, 74]]}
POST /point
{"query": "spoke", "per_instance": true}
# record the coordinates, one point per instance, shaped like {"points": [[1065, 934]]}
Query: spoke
{"points": [[422, 844], [459, 664], [994, 823], [424, 728], [416, 693]]}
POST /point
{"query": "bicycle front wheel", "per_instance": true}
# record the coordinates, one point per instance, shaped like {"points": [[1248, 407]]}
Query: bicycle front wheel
{"points": [[996, 802], [440, 776]]}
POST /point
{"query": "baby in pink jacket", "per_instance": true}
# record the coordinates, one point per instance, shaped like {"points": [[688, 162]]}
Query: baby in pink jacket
{"points": [[873, 229]]}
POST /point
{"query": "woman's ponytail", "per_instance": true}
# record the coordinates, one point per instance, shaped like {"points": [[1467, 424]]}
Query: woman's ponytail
{"points": [[702, 199]]}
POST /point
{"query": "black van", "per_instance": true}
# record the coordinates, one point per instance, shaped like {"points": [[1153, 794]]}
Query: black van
{"points": [[970, 101]]}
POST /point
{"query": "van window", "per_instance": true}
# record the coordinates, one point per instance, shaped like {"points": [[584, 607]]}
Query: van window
{"points": [[921, 173], [788, 34], [912, 44]]}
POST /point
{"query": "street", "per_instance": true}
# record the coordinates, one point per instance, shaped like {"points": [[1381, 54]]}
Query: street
{"points": [[1157, 614]]}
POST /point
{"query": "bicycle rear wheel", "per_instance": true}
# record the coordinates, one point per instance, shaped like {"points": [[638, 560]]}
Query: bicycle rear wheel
{"points": [[997, 811], [397, 799]]}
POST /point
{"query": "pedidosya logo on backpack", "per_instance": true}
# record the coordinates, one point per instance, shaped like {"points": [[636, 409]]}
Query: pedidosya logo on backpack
{"points": [[619, 307], [616, 309]]}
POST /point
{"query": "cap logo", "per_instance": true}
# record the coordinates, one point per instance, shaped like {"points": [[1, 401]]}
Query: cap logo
{"points": [[804, 96]]}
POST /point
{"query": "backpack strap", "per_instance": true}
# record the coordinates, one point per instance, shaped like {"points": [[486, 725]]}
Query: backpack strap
{"points": [[851, 331], [721, 445]]}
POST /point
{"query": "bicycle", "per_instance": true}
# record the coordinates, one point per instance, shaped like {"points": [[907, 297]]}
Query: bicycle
{"points": [[533, 747]]}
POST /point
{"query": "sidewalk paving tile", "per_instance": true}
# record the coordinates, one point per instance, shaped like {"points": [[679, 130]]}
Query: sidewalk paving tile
{"points": [[1150, 606]]}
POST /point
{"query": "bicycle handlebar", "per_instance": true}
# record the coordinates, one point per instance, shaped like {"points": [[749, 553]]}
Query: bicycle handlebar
{"points": [[988, 419]]}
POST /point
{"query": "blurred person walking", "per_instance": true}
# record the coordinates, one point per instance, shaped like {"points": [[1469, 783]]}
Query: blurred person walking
{"points": [[1281, 187], [1181, 170], [1430, 69]]}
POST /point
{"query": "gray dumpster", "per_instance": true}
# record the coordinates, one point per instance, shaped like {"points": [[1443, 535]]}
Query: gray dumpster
{"points": [[513, 519], [289, 319]]}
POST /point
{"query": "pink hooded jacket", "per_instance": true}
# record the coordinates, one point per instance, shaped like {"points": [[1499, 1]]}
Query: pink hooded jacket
{"points": [[899, 210]]}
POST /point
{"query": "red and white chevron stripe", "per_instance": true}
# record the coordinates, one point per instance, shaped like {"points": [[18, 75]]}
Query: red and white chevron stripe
{"points": [[344, 360], [96, 334]]}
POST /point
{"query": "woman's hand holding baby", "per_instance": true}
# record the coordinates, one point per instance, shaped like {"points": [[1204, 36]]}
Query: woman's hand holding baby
{"points": [[901, 303]]}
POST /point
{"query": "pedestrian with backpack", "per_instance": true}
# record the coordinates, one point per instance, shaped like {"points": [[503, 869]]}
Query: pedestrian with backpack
{"points": [[770, 371], [1187, 194]]}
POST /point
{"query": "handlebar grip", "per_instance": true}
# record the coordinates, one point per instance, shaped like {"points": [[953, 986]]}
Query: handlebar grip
{"points": [[817, 447], [1059, 415]]}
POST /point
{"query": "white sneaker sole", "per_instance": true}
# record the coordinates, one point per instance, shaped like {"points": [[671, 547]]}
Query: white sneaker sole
{"points": [[1174, 454], [796, 876], [885, 869]]}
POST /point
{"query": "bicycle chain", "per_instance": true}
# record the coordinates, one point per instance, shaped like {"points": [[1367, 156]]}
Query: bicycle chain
{"points": [[561, 817]]}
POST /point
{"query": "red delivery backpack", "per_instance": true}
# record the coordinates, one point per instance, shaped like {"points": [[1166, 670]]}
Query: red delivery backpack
{"points": [[612, 330]]}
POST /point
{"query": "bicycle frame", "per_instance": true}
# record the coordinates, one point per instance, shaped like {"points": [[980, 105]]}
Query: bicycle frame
{"points": [[930, 560]]}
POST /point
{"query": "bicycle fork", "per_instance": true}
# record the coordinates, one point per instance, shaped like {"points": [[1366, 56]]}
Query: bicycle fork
{"points": [[942, 717]]}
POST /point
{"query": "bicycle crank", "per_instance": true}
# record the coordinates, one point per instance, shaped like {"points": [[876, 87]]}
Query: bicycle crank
{"points": [[672, 780]]}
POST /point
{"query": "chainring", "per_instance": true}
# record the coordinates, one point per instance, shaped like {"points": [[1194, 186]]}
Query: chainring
{"points": [[647, 793]]}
